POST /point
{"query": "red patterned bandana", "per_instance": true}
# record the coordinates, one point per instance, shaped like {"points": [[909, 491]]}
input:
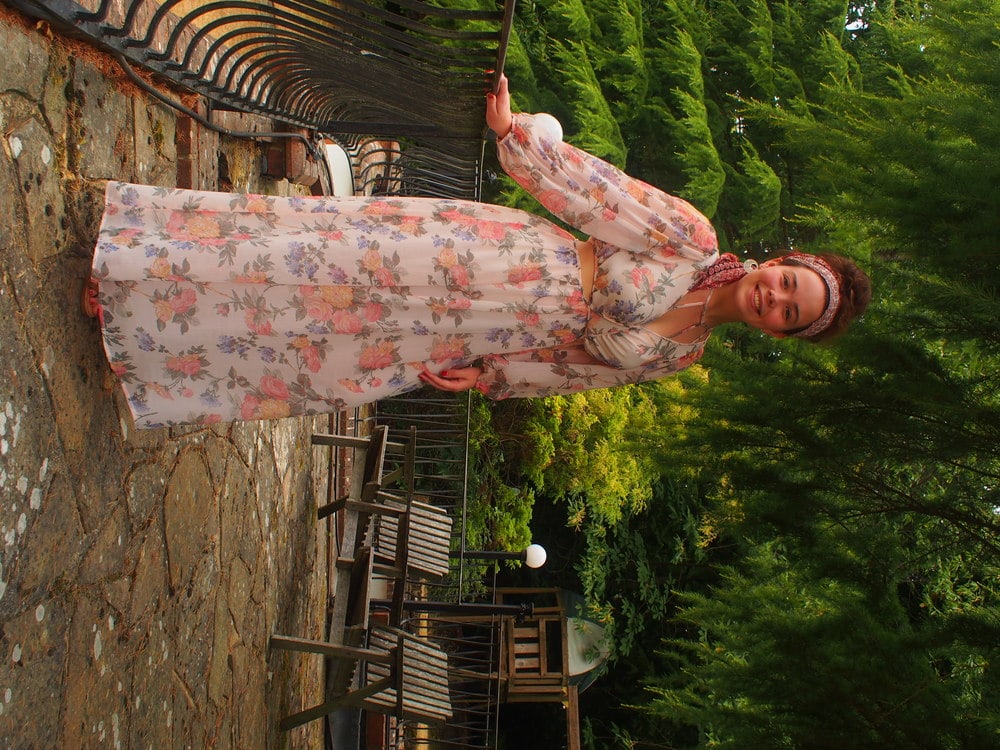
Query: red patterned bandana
{"points": [[826, 273]]}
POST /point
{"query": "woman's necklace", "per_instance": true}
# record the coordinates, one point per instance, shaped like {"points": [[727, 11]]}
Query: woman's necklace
{"points": [[665, 325], [704, 311]]}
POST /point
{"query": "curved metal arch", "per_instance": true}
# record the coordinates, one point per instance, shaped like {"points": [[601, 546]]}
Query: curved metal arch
{"points": [[426, 10], [222, 47], [162, 11], [389, 43], [253, 80], [292, 9], [404, 66], [410, 72], [186, 23]]}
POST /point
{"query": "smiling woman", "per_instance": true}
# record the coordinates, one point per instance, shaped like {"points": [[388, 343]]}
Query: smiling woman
{"points": [[221, 307], [814, 297]]}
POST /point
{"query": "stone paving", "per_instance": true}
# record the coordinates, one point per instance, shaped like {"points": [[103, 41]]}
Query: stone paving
{"points": [[140, 572]]}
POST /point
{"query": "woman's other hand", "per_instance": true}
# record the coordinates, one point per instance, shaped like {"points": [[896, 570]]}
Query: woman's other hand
{"points": [[456, 381], [498, 115]]}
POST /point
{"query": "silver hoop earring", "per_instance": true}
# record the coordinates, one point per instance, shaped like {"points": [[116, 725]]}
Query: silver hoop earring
{"points": [[750, 265]]}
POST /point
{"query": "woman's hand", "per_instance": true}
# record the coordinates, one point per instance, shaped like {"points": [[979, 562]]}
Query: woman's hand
{"points": [[498, 115], [456, 381]]}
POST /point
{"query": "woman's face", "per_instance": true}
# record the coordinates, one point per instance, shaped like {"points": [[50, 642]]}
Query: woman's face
{"points": [[779, 299]]}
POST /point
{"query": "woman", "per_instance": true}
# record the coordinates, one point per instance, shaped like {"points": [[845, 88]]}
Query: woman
{"points": [[221, 307]]}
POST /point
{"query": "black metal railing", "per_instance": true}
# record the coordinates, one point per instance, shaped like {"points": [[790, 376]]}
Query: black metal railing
{"points": [[459, 612], [473, 649], [441, 474], [403, 70]]}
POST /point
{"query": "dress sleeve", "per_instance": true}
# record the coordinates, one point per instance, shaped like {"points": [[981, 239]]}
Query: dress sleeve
{"points": [[550, 372], [598, 198]]}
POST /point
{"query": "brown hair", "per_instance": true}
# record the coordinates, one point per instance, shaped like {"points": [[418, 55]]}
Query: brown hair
{"points": [[855, 294]]}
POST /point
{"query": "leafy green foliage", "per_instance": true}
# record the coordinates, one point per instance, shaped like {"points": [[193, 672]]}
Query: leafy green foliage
{"points": [[634, 566], [497, 514], [577, 450], [797, 547], [793, 652]]}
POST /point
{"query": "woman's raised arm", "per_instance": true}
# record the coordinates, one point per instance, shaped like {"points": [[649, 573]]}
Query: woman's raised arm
{"points": [[592, 195]]}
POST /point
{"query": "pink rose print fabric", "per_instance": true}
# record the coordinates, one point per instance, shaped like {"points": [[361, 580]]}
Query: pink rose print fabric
{"points": [[649, 248], [224, 307]]}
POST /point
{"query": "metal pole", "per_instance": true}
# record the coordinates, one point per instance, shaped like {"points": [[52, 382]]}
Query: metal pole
{"points": [[485, 554], [518, 611]]}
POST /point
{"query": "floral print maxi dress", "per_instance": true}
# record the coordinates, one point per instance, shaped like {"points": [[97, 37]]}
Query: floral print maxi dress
{"points": [[223, 307]]}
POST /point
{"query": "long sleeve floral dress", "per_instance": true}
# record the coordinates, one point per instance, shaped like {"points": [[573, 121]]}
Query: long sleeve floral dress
{"points": [[223, 307]]}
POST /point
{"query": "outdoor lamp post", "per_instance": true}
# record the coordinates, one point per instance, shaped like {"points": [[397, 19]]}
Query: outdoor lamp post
{"points": [[533, 555]]}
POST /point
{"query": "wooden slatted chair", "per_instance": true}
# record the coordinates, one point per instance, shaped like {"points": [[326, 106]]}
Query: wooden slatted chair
{"points": [[410, 537], [365, 484], [354, 560], [413, 538], [400, 674], [366, 470]]}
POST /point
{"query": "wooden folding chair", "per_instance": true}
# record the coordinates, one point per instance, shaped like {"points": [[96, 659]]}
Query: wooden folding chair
{"points": [[409, 537], [366, 470], [400, 674], [412, 537]]}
